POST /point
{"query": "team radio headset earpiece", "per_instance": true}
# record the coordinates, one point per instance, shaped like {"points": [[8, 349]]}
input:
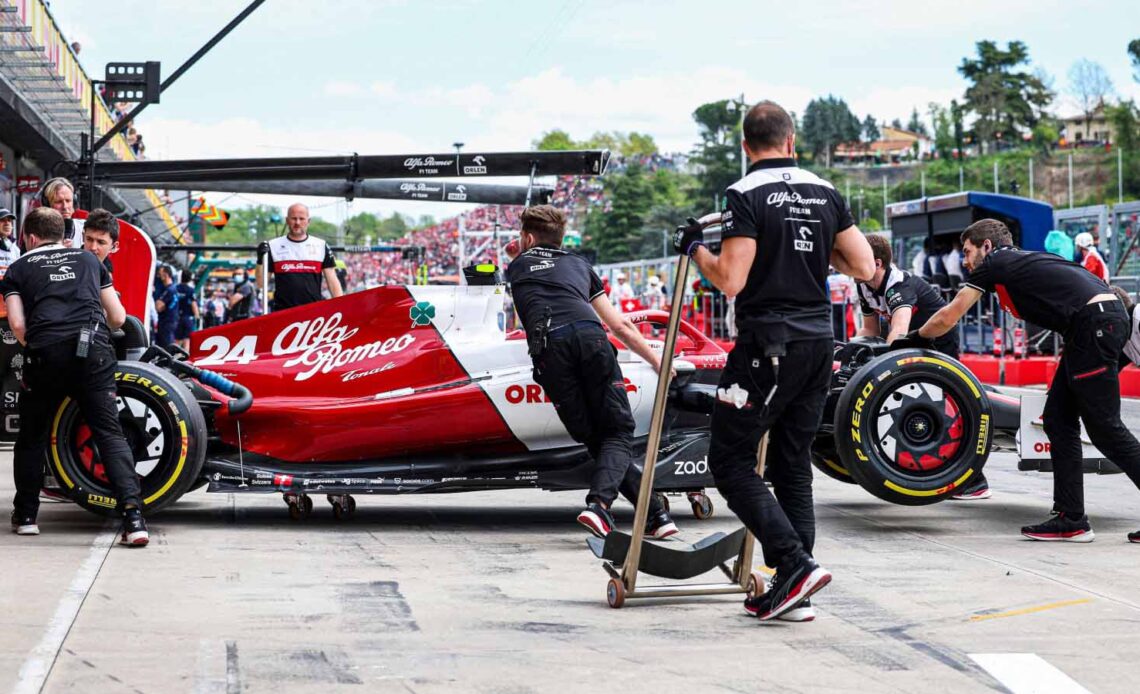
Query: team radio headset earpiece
{"points": [[52, 184]]}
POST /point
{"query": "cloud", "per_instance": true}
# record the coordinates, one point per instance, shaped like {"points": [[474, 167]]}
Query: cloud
{"points": [[343, 89]]}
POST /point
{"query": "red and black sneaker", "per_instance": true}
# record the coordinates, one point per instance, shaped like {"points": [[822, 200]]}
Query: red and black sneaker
{"points": [[790, 588], [977, 491], [660, 526], [1061, 528], [135, 533], [1134, 537], [597, 520]]}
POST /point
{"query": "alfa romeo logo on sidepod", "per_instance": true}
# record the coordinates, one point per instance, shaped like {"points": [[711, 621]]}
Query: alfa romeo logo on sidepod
{"points": [[422, 313]]}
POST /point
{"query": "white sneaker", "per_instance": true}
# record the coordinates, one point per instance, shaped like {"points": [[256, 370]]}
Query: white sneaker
{"points": [[24, 526]]}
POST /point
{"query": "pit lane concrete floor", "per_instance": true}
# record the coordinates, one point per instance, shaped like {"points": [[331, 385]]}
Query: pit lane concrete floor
{"points": [[496, 592]]}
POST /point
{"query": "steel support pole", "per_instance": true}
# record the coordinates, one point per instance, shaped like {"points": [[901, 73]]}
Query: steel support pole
{"points": [[1070, 180], [884, 202]]}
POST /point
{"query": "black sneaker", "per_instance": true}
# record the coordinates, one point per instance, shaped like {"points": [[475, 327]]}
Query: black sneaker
{"points": [[134, 529], [660, 526], [597, 520], [977, 491], [790, 588], [24, 525], [1061, 528], [1134, 537]]}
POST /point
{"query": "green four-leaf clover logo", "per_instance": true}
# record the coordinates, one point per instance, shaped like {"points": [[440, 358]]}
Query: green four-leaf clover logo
{"points": [[422, 313]]}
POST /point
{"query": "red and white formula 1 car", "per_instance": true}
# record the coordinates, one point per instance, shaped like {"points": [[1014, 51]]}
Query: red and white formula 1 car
{"points": [[392, 390]]}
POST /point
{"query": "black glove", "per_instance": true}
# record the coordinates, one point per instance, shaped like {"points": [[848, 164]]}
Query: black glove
{"points": [[912, 340], [262, 251], [686, 239]]}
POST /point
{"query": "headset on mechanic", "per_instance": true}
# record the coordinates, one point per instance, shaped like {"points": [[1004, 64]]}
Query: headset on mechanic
{"points": [[61, 305], [562, 305], [781, 229], [1059, 295]]}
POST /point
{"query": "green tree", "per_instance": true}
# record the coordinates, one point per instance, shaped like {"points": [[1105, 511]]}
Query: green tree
{"points": [[828, 123], [1134, 56], [959, 130], [871, 129], [943, 131], [1003, 98], [617, 234], [719, 153], [555, 140], [1125, 119], [324, 230], [897, 124], [915, 124]]}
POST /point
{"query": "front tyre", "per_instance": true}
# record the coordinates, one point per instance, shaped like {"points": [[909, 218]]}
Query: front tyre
{"points": [[913, 426], [165, 431]]}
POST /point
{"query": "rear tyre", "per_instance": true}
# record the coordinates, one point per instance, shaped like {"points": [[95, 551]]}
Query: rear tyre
{"points": [[826, 459], [165, 431], [913, 426]]}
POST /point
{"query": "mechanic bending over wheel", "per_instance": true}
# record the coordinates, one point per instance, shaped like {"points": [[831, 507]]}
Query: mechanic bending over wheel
{"points": [[56, 298], [782, 227], [562, 305], [905, 300], [1064, 297]]}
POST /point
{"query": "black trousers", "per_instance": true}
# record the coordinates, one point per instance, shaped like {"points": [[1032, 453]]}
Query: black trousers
{"points": [[580, 374], [1087, 388], [50, 374], [784, 524]]}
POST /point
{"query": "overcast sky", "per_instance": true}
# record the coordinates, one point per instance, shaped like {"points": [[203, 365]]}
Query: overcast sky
{"points": [[385, 76]]}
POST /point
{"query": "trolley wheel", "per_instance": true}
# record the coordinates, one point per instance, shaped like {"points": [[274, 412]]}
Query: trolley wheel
{"points": [[661, 497], [343, 506], [756, 581], [615, 593], [300, 506], [702, 506]]}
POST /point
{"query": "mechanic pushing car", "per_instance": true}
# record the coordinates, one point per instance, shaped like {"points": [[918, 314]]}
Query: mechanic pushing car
{"points": [[298, 262], [782, 228], [56, 298], [905, 300], [1061, 296], [562, 305]]}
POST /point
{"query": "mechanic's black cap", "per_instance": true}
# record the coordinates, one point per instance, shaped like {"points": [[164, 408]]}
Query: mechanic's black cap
{"points": [[5, 213]]}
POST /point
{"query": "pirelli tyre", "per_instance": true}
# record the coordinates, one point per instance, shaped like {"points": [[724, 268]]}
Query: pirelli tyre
{"points": [[826, 460], [913, 426], [164, 428]]}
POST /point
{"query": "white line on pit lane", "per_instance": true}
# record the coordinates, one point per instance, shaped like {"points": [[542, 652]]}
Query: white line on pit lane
{"points": [[36, 668], [1027, 673]]}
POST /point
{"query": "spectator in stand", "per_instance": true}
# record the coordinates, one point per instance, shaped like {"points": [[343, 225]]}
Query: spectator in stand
{"points": [[654, 296], [1090, 256]]}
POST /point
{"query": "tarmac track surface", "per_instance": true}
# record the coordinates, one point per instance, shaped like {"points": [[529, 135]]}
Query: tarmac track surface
{"points": [[496, 592]]}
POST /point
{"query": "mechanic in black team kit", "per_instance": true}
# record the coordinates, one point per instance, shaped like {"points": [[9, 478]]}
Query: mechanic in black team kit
{"points": [[1063, 297], [562, 305], [56, 298], [298, 261], [782, 227], [907, 301]]}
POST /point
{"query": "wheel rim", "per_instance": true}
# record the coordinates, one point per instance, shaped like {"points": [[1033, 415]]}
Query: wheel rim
{"points": [[919, 427], [151, 439]]}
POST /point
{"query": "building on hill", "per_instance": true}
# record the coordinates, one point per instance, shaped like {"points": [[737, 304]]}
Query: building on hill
{"points": [[894, 147], [1095, 130]]}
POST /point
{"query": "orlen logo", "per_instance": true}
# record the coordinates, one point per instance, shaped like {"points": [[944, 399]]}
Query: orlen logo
{"points": [[459, 195], [480, 165], [1041, 447]]}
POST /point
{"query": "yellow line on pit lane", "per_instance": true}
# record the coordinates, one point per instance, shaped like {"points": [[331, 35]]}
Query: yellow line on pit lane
{"points": [[1029, 610]]}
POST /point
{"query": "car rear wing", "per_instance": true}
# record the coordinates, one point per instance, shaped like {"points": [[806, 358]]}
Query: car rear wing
{"points": [[201, 173], [431, 191]]}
